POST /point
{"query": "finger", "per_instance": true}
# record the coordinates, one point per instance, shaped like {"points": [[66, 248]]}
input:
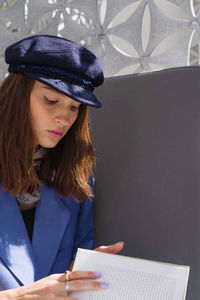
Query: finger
{"points": [[74, 275], [115, 248], [118, 245], [84, 275], [78, 285]]}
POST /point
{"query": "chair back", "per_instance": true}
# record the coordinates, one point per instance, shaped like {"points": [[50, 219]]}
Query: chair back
{"points": [[147, 191]]}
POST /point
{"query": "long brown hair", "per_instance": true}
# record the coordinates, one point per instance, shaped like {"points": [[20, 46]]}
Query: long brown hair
{"points": [[67, 166]]}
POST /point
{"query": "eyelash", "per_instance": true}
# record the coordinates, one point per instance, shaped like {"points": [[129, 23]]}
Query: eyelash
{"points": [[74, 108], [52, 102]]}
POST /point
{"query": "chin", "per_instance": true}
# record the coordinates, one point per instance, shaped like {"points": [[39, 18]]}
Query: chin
{"points": [[51, 146], [48, 144]]}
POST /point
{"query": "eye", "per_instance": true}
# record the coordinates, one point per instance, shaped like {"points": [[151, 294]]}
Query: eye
{"points": [[50, 101], [74, 108]]}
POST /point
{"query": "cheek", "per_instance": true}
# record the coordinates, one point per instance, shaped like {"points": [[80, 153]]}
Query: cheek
{"points": [[76, 115], [39, 117], [73, 119]]}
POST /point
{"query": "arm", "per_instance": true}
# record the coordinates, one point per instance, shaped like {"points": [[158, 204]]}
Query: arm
{"points": [[53, 287], [85, 231], [85, 228]]}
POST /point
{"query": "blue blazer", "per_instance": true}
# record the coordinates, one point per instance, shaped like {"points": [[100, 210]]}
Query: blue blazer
{"points": [[60, 227]]}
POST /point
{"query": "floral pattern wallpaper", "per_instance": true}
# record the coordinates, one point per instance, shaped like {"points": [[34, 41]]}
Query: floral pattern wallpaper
{"points": [[128, 36]]}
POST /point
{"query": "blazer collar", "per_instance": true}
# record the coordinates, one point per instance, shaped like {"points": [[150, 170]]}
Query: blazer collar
{"points": [[51, 220], [31, 262]]}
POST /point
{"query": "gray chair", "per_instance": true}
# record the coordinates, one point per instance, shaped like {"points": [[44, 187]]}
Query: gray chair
{"points": [[147, 140]]}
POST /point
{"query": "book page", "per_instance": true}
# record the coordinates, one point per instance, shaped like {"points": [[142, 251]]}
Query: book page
{"points": [[132, 278]]}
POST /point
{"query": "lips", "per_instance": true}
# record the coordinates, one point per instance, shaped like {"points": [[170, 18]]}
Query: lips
{"points": [[56, 133]]}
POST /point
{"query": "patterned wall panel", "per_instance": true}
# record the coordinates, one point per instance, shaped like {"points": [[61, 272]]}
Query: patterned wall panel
{"points": [[128, 36]]}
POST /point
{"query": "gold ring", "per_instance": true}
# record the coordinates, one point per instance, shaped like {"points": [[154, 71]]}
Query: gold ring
{"points": [[67, 276]]}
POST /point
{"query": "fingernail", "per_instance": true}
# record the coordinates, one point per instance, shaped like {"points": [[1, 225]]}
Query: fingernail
{"points": [[97, 274], [103, 284], [122, 243]]}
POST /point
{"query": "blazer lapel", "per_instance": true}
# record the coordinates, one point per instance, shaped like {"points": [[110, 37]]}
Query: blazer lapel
{"points": [[15, 247], [50, 223]]}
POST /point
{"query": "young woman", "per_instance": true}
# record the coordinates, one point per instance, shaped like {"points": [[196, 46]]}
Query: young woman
{"points": [[46, 162]]}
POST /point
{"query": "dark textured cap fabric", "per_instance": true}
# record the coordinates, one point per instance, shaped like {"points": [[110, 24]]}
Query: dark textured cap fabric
{"points": [[59, 63]]}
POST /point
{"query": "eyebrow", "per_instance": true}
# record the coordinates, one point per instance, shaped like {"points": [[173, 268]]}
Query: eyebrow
{"points": [[46, 87], [49, 88], [53, 90]]}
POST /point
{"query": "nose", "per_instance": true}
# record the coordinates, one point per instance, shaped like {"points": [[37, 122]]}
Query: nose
{"points": [[62, 124], [63, 119]]}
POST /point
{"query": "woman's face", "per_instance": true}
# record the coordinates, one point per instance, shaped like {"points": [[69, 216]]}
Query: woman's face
{"points": [[52, 114]]}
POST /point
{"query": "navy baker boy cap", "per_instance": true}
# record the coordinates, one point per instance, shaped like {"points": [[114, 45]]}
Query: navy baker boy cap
{"points": [[59, 63]]}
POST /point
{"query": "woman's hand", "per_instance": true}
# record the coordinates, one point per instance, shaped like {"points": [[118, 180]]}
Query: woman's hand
{"points": [[53, 287], [114, 248]]}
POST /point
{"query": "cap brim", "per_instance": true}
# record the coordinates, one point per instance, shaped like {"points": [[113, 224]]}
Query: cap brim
{"points": [[69, 89]]}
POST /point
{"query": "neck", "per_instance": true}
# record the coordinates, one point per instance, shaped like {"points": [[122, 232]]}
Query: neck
{"points": [[27, 206]]}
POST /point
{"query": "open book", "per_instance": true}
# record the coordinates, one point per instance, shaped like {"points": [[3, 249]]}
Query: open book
{"points": [[132, 278]]}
